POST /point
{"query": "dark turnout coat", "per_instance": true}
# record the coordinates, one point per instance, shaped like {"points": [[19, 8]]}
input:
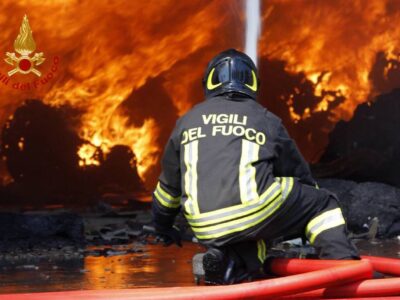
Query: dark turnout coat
{"points": [[230, 165]]}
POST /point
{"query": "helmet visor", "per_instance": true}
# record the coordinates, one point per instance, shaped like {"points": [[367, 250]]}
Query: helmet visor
{"points": [[231, 71], [241, 72], [221, 73]]}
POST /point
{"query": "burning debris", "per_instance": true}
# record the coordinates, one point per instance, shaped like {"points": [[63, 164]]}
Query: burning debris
{"points": [[100, 70], [111, 91], [101, 73], [333, 43], [40, 150], [293, 97]]}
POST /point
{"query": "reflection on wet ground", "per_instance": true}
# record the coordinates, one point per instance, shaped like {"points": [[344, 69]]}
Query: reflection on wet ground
{"points": [[154, 266]]}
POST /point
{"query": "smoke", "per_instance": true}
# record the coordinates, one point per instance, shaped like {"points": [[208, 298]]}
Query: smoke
{"points": [[252, 28]]}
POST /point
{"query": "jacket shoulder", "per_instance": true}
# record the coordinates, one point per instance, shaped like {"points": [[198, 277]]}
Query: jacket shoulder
{"points": [[272, 117], [182, 119]]}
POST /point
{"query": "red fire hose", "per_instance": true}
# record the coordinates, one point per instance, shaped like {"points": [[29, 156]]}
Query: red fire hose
{"points": [[368, 288], [292, 266], [390, 266], [328, 277], [285, 266]]}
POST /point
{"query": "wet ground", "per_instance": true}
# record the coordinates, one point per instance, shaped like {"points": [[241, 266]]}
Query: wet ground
{"points": [[149, 266], [155, 266]]}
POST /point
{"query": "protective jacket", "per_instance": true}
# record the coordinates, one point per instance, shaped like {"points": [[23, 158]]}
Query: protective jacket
{"points": [[229, 164]]}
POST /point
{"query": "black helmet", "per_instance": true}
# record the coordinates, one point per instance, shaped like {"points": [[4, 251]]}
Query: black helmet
{"points": [[231, 71]]}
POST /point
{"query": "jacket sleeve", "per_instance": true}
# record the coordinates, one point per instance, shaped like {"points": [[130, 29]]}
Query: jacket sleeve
{"points": [[289, 161], [166, 197]]}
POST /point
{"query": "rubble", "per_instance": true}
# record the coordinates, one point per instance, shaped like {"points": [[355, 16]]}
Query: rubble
{"points": [[367, 147], [30, 237], [371, 209], [362, 202]]}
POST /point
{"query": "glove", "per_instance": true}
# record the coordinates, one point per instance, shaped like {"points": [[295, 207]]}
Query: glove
{"points": [[168, 236]]}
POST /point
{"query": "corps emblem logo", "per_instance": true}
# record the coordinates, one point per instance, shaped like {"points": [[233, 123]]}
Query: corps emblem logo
{"points": [[24, 45]]}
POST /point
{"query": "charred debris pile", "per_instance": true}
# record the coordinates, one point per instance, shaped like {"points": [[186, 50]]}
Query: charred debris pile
{"points": [[363, 158], [39, 145]]}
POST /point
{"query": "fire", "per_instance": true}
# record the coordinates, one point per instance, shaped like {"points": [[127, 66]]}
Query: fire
{"points": [[141, 139], [110, 52], [87, 154], [21, 144], [334, 43]]}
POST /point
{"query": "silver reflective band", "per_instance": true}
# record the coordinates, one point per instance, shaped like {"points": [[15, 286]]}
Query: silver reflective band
{"points": [[235, 211], [247, 172], [235, 224], [191, 151], [327, 220], [166, 199]]}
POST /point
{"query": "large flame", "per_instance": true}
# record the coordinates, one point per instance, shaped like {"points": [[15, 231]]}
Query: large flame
{"points": [[109, 51], [112, 51], [335, 43]]}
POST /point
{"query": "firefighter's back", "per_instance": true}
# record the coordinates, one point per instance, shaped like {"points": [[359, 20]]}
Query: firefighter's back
{"points": [[225, 155]]}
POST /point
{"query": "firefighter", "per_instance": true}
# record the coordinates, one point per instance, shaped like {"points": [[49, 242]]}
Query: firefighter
{"points": [[239, 178]]}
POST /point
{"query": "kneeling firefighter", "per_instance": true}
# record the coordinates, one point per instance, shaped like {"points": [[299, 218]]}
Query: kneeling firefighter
{"points": [[239, 178]]}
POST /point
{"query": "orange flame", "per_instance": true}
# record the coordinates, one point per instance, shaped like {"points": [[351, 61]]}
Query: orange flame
{"points": [[109, 51], [334, 43]]}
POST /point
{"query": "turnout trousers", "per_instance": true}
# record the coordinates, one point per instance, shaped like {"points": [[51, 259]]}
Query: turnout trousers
{"points": [[310, 213]]}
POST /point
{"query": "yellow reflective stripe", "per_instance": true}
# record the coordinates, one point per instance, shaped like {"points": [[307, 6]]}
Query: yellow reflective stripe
{"points": [[191, 158], [166, 199], [165, 203], [253, 87], [187, 206], [326, 226], [260, 210], [264, 252], [324, 221], [261, 251], [287, 185], [247, 173], [194, 168], [241, 224], [238, 211], [257, 220], [231, 209], [321, 217], [233, 222], [166, 195], [237, 215], [210, 85]]}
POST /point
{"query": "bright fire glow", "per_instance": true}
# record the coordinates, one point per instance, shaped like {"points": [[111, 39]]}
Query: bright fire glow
{"points": [[110, 50], [334, 43]]}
